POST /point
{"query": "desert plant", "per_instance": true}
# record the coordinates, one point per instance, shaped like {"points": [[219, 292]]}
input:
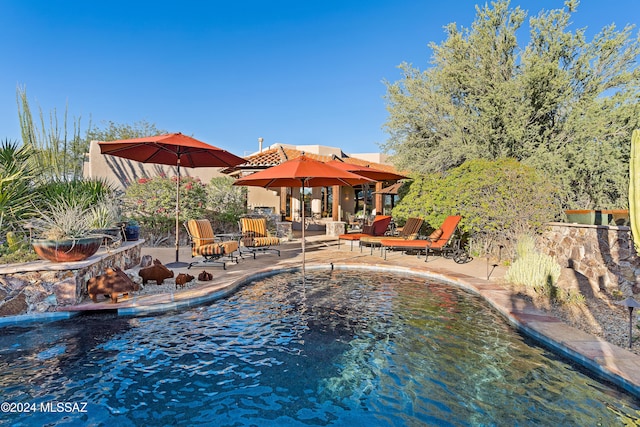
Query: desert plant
{"points": [[634, 188], [573, 297], [152, 202], [498, 201], [533, 269], [63, 219], [16, 181], [56, 154], [105, 214], [87, 191]]}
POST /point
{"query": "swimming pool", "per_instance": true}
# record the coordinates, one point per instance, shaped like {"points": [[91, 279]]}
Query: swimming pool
{"points": [[339, 348]]}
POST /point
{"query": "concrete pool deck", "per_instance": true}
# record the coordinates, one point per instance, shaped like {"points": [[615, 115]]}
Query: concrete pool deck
{"points": [[614, 364]]}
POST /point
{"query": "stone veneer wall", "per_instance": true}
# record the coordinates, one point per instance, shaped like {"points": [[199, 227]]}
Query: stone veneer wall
{"points": [[599, 255], [43, 286]]}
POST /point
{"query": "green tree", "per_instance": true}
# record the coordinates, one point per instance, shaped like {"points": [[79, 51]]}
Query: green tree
{"points": [[562, 104], [112, 131]]}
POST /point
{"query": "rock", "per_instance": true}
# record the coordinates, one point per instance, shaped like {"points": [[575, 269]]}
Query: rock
{"points": [[14, 306], [146, 261], [65, 292]]}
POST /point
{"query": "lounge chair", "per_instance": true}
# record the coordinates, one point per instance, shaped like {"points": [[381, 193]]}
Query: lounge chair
{"points": [[408, 232], [256, 237], [441, 241], [377, 228], [204, 243]]}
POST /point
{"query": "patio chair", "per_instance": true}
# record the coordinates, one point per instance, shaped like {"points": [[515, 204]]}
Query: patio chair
{"points": [[408, 232], [377, 228], [353, 223], [256, 237], [204, 243], [441, 240]]}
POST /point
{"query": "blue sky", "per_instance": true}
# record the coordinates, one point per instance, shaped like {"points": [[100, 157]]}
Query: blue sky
{"points": [[228, 72]]}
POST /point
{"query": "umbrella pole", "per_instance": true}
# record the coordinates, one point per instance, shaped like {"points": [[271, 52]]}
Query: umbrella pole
{"points": [[302, 226], [177, 211], [177, 263]]}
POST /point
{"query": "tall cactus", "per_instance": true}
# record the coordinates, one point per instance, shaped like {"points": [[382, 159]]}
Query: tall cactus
{"points": [[634, 188]]}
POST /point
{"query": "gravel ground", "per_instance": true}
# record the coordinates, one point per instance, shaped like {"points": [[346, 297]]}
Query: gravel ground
{"points": [[600, 316], [168, 286]]}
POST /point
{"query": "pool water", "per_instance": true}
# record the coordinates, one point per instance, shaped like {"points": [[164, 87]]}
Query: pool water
{"points": [[339, 348]]}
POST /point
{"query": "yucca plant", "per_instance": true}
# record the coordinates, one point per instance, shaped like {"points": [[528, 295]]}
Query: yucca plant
{"points": [[16, 180]]}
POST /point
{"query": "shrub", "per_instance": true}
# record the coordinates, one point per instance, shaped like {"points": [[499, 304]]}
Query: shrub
{"points": [[87, 191], [227, 202], [498, 201], [16, 181], [533, 269], [152, 202]]}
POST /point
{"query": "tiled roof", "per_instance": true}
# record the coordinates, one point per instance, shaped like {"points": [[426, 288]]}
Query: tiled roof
{"points": [[275, 156]]}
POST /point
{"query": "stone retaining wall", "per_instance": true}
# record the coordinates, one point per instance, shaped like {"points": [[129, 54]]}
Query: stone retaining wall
{"points": [[42, 286], [600, 257]]}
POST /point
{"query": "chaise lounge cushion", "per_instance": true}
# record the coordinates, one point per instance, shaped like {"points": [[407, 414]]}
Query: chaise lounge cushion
{"points": [[378, 228], [409, 232], [436, 235], [204, 241], [440, 244]]}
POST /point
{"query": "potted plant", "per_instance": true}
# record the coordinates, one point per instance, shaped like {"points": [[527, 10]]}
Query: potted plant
{"points": [[105, 217], [63, 232], [131, 230]]}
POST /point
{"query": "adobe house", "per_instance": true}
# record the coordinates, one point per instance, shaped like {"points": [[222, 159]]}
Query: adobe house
{"points": [[333, 203]]}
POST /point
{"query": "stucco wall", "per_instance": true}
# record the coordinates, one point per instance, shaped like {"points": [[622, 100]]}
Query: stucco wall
{"points": [[120, 172]]}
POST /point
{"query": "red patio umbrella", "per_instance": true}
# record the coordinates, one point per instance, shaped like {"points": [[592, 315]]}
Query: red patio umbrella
{"points": [[302, 172], [366, 171], [173, 149], [391, 190]]}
